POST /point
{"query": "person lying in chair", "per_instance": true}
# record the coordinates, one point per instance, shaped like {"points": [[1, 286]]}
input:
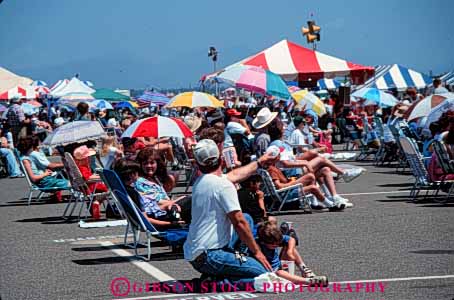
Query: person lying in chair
{"points": [[307, 180], [164, 214]]}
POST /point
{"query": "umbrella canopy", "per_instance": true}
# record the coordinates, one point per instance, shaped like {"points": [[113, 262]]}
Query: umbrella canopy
{"points": [[255, 79], [308, 100], [423, 107], [152, 97], [29, 109], [126, 104], [19, 92], [195, 99], [374, 96], [39, 83], [396, 77], [438, 110], [101, 104], [328, 84], [42, 90], [158, 127], [75, 132], [109, 95], [294, 62]]}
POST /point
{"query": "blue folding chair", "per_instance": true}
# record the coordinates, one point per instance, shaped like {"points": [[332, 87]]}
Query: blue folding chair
{"points": [[137, 222]]}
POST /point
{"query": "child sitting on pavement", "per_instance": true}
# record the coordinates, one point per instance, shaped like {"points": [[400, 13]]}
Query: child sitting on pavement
{"points": [[270, 239]]}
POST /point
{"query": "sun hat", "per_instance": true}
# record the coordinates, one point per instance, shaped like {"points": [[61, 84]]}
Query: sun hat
{"points": [[83, 152], [264, 117], [233, 112], [216, 115], [206, 152], [193, 122], [59, 121]]}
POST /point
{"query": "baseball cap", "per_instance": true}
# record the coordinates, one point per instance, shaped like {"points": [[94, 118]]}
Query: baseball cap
{"points": [[206, 152]]}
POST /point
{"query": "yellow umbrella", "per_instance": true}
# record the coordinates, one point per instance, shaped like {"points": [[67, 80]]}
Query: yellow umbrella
{"points": [[134, 104], [195, 99], [309, 101]]}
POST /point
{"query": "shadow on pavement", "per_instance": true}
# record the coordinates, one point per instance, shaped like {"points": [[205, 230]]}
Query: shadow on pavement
{"points": [[120, 259], [448, 251], [50, 220]]}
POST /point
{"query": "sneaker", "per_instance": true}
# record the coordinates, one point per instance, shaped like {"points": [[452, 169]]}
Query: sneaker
{"points": [[318, 281], [351, 174], [338, 204], [319, 208], [17, 176], [307, 273], [347, 202], [306, 206]]}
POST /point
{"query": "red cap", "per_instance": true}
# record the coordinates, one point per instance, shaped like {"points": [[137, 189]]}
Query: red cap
{"points": [[233, 112]]}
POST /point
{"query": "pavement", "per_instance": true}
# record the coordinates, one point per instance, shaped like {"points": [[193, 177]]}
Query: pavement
{"points": [[385, 247]]}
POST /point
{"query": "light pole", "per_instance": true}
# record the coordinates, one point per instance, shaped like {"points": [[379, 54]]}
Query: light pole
{"points": [[213, 53]]}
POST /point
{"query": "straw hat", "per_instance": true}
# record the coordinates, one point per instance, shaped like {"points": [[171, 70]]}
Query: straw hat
{"points": [[193, 122], [264, 117]]}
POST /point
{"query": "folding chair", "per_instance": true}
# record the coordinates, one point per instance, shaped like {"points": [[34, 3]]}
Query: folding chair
{"points": [[80, 186], [33, 187], [446, 164], [282, 195], [402, 163], [137, 222], [416, 162]]}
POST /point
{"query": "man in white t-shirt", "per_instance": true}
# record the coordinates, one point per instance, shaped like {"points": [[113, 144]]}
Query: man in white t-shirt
{"points": [[216, 213]]}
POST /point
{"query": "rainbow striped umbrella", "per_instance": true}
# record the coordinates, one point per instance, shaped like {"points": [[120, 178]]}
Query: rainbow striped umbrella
{"points": [[195, 99], [308, 100], [255, 79]]}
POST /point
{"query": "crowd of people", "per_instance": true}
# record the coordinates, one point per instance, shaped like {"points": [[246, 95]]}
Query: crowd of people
{"points": [[227, 148]]}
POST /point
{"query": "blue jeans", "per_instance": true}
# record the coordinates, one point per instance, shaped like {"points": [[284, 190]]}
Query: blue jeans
{"points": [[13, 166], [224, 263]]}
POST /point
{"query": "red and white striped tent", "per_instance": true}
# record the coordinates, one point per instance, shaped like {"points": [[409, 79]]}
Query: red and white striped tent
{"points": [[296, 63], [19, 92]]}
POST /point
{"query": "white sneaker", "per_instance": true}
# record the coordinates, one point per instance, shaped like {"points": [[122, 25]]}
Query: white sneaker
{"points": [[338, 203], [351, 174], [347, 202]]}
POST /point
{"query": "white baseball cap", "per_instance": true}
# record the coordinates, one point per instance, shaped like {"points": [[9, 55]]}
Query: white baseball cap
{"points": [[206, 152]]}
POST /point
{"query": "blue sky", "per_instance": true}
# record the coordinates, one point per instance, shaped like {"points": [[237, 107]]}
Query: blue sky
{"points": [[142, 43]]}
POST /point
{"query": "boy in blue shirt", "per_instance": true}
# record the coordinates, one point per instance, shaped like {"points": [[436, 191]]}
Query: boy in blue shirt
{"points": [[270, 239]]}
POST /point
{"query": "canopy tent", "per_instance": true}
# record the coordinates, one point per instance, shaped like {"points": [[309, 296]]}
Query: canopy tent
{"points": [[27, 92], [109, 95], [73, 86], [59, 85], [9, 80], [395, 76], [328, 84], [448, 78], [296, 63]]}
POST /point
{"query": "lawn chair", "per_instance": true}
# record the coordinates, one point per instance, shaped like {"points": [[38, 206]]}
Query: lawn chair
{"points": [[446, 164], [281, 196], [80, 186], [416, 162], [402, 163], [33, 187], [137, 222]]}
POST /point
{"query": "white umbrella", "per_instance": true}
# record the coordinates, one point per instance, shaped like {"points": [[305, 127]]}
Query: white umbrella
{"points": [[75, 132], [438, 110]]}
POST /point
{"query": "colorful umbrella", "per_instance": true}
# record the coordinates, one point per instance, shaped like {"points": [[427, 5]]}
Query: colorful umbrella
{"points": [[126, 104], [375, 96], [437, 111], [423, 107], [195, 99], [38, 83], [157, 127], [29, 109], [153, 97], [308, 100], [101, 104], [75, 132], [255, 79]]}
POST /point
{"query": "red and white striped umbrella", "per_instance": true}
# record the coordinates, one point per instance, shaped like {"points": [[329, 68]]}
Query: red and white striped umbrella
{"points": [[157, 127], [19, 92]]}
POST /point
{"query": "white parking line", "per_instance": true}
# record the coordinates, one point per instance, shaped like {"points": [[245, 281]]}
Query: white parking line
{"points": [[374, 193], [144, 266]]}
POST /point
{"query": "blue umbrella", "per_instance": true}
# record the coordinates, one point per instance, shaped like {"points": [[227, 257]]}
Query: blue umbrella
{"points": [[124, 104], [375, 96], [101, 104], [29, 109]]}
